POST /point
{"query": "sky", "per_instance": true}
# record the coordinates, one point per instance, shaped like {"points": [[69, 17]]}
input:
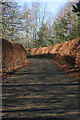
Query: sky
{"points": [[43, 0], [52, 5]]}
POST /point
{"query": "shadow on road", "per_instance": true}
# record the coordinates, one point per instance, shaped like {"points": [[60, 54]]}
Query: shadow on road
{"points": [[40, 89]]}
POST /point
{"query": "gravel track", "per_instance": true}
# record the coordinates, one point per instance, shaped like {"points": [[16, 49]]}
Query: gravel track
{"points": [[40, 90]]}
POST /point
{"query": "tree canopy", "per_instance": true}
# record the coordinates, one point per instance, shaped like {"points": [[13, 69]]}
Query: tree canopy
{"points": [[34, 26]]}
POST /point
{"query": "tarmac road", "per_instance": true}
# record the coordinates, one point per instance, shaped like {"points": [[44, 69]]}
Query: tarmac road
{"points": [[40, 90]]}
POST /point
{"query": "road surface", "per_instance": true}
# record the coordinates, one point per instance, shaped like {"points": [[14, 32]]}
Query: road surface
{"points": [[40, 90]]}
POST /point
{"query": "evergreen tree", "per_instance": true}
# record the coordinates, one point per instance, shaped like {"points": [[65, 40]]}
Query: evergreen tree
{"points": [[44, 37], [66, 26], [11, 21], [76, 8]]}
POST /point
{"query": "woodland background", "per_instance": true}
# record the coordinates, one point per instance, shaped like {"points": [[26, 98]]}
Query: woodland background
{"points": [[36, 27]]}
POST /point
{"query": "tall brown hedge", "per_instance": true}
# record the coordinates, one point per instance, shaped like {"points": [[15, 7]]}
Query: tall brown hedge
{"points": [[68, 51], [13, 54]]}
